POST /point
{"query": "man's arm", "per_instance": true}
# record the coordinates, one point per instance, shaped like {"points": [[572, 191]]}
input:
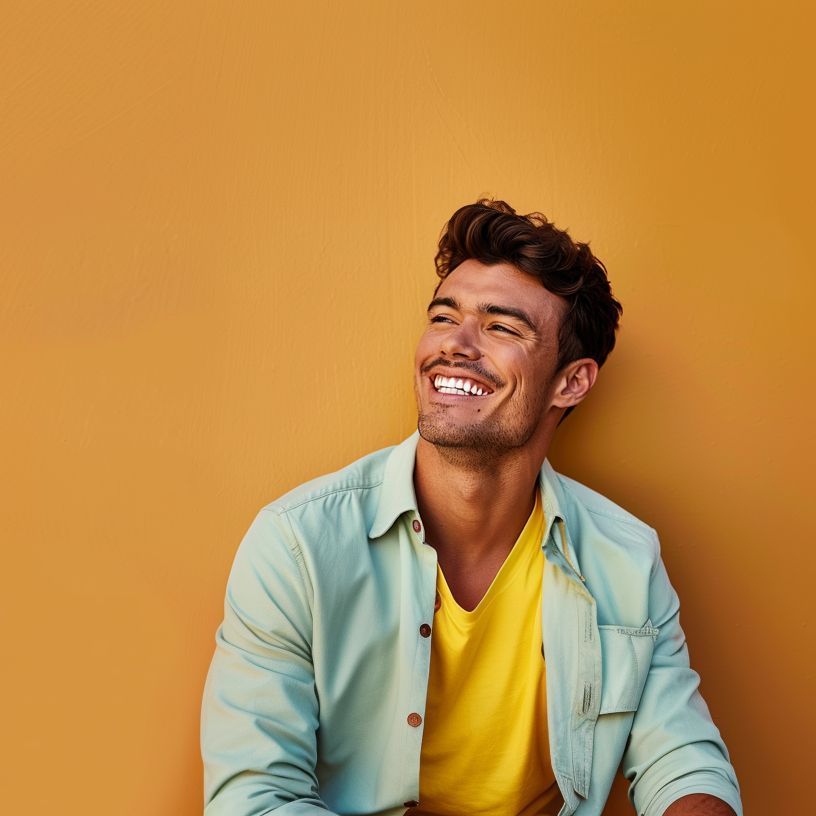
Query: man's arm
{"points": [[699, 804], [675, 751], [260, 713]]}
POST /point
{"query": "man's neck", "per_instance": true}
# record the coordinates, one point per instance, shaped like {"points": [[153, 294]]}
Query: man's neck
{"points": [[474, 510]]}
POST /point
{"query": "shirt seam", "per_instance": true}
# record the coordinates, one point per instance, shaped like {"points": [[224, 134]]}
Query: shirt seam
{"points": [[296, 552], [284, 509], [629, 520]]}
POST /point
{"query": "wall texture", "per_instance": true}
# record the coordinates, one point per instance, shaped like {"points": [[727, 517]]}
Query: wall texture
{"points": [[218, 223]]}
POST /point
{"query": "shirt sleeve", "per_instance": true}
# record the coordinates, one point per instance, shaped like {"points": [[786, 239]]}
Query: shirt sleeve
{"points": [[259, 713], [674, 748]]}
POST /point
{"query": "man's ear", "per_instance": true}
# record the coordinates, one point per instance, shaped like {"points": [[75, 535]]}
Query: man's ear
{"points": [[574, 381]]}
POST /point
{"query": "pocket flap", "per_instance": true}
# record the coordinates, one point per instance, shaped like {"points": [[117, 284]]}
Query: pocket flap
{"points": [[626, 655]]}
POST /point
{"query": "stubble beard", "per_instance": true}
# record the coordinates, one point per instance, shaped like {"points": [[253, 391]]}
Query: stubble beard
{"points": [[478, 444]]}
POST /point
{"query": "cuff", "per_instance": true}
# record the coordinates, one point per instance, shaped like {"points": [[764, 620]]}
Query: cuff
{"points": [[700, 782]]}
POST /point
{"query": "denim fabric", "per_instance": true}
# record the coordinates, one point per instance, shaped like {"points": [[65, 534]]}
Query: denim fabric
{"points": [[320, 669]]}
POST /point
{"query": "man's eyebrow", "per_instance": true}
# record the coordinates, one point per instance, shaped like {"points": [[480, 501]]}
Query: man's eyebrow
{"points": [[450, 302], [509, 311], [488, 308]]}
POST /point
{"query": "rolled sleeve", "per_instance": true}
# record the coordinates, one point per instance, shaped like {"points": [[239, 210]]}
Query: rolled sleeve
{"points": [[259, 714], [698, 782], [674, 748]]}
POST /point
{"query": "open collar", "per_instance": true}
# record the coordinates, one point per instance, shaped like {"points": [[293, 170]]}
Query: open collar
{"points": [[397, 496], [556, 506]]}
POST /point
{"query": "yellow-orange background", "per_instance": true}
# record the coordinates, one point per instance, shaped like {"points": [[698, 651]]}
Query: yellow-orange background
{"points": [[218, 223]]}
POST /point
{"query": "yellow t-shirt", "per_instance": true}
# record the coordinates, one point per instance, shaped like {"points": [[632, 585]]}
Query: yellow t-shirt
{"points": [[485, 745]]}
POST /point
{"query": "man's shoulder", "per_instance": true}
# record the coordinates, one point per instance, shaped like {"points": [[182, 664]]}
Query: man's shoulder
{"points": [[581, 500], [617, 550], [362, 475]]}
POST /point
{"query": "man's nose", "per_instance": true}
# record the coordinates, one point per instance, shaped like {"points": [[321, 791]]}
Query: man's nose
{"points": [[461, 341]]}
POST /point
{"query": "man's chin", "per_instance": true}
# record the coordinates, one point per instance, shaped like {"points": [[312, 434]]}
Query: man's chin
{"points": [[450, 436], [488, 440]]}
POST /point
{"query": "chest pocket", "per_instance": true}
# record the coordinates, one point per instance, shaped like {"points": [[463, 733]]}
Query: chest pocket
{"points": [[626, 655]]}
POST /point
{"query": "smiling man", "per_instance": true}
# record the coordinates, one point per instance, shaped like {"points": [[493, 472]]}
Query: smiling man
{"points": [[449, 627]]}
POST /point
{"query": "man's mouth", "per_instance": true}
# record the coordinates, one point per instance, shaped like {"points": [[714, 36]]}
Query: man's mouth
{"points": [[462, 386]]}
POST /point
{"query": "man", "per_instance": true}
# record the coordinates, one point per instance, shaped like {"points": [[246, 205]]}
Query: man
{"points": [[449, 626]]}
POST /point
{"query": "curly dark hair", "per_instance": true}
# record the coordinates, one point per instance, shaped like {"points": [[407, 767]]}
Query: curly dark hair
{"points": [[491, 232]]}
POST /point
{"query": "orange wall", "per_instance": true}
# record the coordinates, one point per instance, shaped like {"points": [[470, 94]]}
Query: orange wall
{"points": [[218, 224]]}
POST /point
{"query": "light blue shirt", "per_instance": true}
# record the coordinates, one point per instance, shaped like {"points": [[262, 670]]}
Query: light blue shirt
{"points": [[315, 698]]}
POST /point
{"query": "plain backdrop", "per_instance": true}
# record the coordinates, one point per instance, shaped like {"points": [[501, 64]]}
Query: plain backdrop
{"points": [[218, 224]]}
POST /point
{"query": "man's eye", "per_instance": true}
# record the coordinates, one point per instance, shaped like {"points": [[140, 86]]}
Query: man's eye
{"points": [[502, 328], [440, 319]]}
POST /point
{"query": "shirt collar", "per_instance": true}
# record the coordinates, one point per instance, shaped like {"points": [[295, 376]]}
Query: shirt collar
{"points": [[556, 505], [397, 496]]}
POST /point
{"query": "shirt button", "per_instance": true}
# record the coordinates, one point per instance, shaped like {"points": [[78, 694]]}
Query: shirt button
{"points": [[417, 526], [411, 803], [437, 602], [414, 720], [425, 630]]}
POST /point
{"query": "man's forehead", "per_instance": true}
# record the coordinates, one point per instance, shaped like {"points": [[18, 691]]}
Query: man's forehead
{"points": [[473, 283]]}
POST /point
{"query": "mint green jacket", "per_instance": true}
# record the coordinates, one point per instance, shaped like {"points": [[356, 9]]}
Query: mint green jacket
{"points": [[315, 697]]}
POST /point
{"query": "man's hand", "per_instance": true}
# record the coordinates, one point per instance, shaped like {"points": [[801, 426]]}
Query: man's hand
{"points": [[699, 804]]}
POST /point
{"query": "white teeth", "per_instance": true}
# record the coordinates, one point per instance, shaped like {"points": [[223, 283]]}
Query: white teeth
{"points": [[451, 385]]}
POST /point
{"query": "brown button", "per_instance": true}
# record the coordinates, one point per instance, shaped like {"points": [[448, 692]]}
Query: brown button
{"points": [[414, 719], [411, 803], [437, 602], [417, 526], [425, 630]]}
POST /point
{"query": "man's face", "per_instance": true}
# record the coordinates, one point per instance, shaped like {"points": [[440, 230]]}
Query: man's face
{"points": [[485, 365]]}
